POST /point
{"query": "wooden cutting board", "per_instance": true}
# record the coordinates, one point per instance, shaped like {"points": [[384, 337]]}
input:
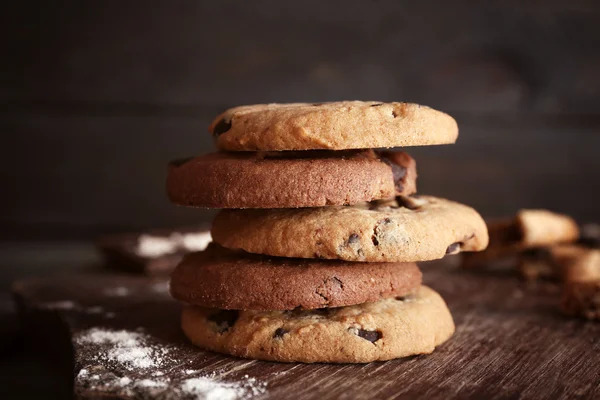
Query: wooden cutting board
{"points": [[510, 342]]}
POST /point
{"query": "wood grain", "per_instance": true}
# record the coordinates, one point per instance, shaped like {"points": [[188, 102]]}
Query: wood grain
{"points": [[510, 342]]}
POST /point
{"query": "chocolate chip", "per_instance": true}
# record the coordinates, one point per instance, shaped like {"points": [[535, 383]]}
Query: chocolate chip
{"points": [[394, 114], [224, 319], [407, 297], [454, 248], [279, 332], [375, 240], [376, 105], [221, 127], [318, 104], [371, 336], [354, 238], [377, 231]]}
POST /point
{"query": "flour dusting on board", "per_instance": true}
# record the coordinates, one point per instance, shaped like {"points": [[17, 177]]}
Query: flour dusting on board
{"points": [[128, 363], [127, 349]]}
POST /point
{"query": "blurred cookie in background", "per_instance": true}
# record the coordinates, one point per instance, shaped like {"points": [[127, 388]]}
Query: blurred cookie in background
{"points": [[154, 252]]}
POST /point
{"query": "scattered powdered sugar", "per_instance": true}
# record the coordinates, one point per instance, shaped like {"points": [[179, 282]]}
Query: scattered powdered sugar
{"points": [[119, 291], [210, 389], [124, 381], [134, 364], [202, 387], [127, 349], [213, 389], [149, 383], [156, 246], [137, 357]]}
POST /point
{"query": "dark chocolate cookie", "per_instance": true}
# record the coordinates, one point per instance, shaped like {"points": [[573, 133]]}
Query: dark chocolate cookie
{"points": [[222, 278], [290, 179]]}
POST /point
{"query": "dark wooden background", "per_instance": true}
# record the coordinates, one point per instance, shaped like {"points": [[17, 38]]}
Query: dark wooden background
{"points": [[97, 96]]}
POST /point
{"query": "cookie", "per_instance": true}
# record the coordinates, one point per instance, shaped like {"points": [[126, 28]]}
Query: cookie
{"points": [[383, 330], [225, 279], [331, 126], [290, 179], [406, 229], [570, 263], [582, 299], [530, 229]]}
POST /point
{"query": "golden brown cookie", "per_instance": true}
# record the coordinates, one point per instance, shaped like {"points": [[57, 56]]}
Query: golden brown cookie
{"points": [[383, 330], [225, 279], [290, 179], [417, 228], [530, 229], [570, 263], [331, 126]]}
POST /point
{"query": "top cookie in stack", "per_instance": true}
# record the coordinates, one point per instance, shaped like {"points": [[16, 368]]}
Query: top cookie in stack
{"points": [[309, 201]]}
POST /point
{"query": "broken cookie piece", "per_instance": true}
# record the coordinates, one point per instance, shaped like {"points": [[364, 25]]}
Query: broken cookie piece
{"points": [[529, 229]]}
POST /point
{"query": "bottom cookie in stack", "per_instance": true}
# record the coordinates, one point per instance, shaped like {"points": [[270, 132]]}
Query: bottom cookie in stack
{"points": [[307, 310]]}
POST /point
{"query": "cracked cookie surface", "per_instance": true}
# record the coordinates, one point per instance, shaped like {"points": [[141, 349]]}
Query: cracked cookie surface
{"points": [[225, 279], [407, 229], [332, 126], [290, 179], [382, 330]]}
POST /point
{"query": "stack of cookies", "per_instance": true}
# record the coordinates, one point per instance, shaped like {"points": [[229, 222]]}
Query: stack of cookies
{"points": [[313, 258]]}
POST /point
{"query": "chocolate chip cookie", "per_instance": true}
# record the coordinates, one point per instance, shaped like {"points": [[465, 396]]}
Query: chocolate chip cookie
{"points": [[383, 330], [529, 229], [331, 126], [225, 279], [407, 229], [570, 263], [290, 179]]}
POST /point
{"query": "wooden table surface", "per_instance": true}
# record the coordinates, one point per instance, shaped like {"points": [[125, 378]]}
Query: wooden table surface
{"points": [[510, 342]]}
